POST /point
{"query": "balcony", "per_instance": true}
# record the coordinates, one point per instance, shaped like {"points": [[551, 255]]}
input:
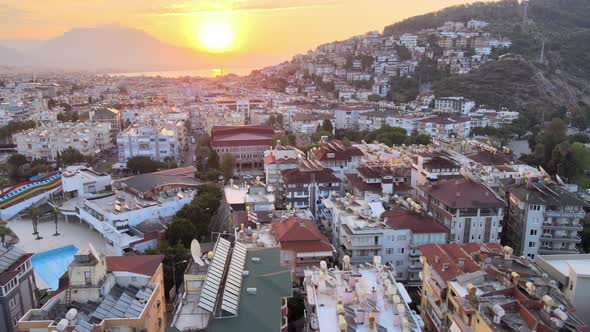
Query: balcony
{"points": [[415, 268], [566, 226], [565, 214], [544, 250], [561, 238]]}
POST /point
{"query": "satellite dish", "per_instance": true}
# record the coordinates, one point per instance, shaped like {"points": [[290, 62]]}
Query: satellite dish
{"points": [[196, 252], [94, 252]]}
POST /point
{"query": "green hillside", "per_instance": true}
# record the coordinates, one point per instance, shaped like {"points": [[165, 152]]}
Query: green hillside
{"points": [[519, 80]]}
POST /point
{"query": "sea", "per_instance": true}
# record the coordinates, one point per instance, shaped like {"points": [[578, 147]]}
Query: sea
{"points": [[208, 73]]}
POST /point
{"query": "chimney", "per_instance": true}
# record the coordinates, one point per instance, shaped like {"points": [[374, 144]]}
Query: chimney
{"points": [[445, 266], [436, 259], [461, 262], [515, 278], [472, 291]]}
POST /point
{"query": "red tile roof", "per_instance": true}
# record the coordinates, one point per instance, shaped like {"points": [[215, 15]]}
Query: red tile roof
{"points": [[439, 163], [271, 159], [300, 235], [444, 258], [488, 159], [463, 193], [417, 223], [340, 151], [297, 176], [144, 264], [361, 185], [246, 135]]}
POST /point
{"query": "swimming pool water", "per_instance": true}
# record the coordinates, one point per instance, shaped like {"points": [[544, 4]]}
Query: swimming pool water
{"points": [[52, 264]]}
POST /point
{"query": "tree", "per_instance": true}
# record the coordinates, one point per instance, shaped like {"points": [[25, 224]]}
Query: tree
{"points": [[4, 232], [403, 53], [403, 89], [173, 255], [33, 212], [317, 136], [181, 230], [327, 126], [284, 138], [71, 156], [141, 165], [228, 164], [553, 134], [213, 160]]}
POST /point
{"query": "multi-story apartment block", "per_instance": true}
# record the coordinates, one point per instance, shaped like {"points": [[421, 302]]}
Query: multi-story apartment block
{"points": [[455, 104], [243, 106], [483, 287], [333, 154], [347, 117], [408, 40], [111, 116], [17, 286], [358, 298], [471, 211], [379, 179], [104, 294], [362, 229], [428, 166], [276, 161], [46, 142], [542, 218], [307, 123], [246, 143], [445, 126], [305, 186], [156, 142]]}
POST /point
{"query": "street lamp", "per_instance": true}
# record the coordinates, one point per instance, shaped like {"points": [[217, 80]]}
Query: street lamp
{"points": [[174, 273]]}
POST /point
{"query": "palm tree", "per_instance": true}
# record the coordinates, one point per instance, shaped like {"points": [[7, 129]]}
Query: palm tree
{"points": [[4, 231], [33, 212]]}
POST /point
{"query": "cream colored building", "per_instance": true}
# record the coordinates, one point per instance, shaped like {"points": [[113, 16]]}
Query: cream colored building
{"points": [[46, 141]]}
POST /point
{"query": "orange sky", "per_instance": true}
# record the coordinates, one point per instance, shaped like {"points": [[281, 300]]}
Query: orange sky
{"points": [[275, 28]]}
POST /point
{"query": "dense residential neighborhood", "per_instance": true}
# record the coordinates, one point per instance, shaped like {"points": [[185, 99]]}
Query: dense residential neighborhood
{"points": [[335, 192]]}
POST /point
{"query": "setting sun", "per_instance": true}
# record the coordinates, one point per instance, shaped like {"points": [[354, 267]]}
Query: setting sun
{"points": [[216, 35]]}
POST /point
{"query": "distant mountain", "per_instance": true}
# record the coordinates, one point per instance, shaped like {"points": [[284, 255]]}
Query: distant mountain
{"points": [[113, 48]]}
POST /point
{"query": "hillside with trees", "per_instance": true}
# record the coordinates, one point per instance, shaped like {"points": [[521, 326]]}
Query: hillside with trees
{"points": [[522, 80]]}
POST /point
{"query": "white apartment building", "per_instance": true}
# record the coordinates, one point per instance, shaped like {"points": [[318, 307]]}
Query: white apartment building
{"points": [[347, 117], [408, 40], [455, 104], [155, 142], [80, 181], [363, 229], [149, 197], [47, 141]]}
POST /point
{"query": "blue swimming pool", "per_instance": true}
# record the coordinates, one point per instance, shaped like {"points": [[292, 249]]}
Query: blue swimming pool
{"points": [[52, 264]]}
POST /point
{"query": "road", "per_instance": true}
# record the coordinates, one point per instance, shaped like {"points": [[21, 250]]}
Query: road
{"points": [[188, 155]]}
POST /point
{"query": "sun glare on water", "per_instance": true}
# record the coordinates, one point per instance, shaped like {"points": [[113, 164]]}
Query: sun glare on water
{"points": [[216, 35]]}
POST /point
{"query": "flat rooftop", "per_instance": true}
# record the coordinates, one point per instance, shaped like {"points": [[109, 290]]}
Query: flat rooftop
{"points": [[376, 297]]}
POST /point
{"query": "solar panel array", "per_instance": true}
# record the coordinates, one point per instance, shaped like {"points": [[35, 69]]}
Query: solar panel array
{"points": [[121, 302], [210, 290], [233, 283], [8, 256]]}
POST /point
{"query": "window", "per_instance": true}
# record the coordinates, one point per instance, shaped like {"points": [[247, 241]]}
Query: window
{"points": [[399, 263], [389, 251], [400, 250], [533, 232], [401, 237], [571, 285], [532, 244], [12, 303]]}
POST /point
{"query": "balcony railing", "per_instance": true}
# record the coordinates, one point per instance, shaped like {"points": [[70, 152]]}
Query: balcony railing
{"points": [[567, 226], [565, 214], [561, 238]]}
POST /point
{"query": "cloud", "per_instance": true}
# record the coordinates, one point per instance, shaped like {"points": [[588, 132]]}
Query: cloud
{"points": [[188, 8]]}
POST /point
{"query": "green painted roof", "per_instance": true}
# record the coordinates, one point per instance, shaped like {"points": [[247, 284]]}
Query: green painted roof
{"points": [[260, 312]]}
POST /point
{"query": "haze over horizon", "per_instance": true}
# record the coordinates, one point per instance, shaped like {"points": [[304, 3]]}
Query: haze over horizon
{"points": [[250, 32]]}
